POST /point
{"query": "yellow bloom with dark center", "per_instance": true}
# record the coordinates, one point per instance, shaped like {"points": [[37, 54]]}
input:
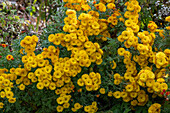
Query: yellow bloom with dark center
{"points": [[59, 108], [52, 85], [89, 88], [164, 86], [9, 94], [126, 99], [66, 98], [34, 38], [102, 91], [99, 61], [98, 76], [85, 77], [95, 25], [38, 72], [6, 82], [133, 94], [130, 7], [12, 70], [150, 83], [145, 40], [87, 108], [88, 44], [161, 61], [9, 57], [40, 85], [129, 88], [128, 23], [46, 83], [67, 79], [66, 105], [39, 57], [23, 72], [117, 81], [34, 79], [28, 39], [1, 79], [26, 81], [96, 31], [126, 35], [72, 29], [116, 76], [34, 64], [120, 38], [60, 100], [57, 74], [12, 100], [134, 102], [143, 77], [117, 94], [80, 82], [141, 98], [150, 90], [92, 75], [1, 105], [23, 43], [82, 38], [2, 94], [157, 87], [150, 74], [121, 51], [88, 82], [77, 106], [154, 108], [127, 76], [41, 63], [21, 86]]}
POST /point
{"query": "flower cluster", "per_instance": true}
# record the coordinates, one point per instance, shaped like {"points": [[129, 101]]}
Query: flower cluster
{"points": [[154, 108], [6, 86], [152, 26], [160, 59], [91, 108], [77, 5], [55, 73], [63, 100], [146, 78], [117, 79], [91, 81]]}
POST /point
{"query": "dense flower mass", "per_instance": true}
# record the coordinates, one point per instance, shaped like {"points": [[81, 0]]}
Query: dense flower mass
{"points": [[154, 108], [77, 74]]}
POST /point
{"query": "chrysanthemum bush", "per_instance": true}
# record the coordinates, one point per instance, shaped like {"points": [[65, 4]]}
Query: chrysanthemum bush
{"points": [[101, 61]]}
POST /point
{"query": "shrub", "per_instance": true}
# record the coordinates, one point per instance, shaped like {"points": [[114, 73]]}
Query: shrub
{"points": [[100, 61]]}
